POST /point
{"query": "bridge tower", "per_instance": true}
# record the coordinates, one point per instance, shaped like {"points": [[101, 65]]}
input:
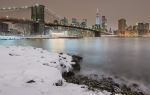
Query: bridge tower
{"points": [[37, 15]]}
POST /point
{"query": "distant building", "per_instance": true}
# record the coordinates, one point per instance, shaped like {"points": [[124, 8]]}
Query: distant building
{"points": [[135, 28], [131, 31], [110, 30], [140, 28], [104, 22], [3, 28], [98, 23], [75, 22], [146, 28], [98, 18], [122, 26], [64, 21], [143, 28], [84, 23], [130, 28]]}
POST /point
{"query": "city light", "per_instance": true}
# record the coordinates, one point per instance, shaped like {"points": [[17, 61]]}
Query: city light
{"points": [[83, 32]]}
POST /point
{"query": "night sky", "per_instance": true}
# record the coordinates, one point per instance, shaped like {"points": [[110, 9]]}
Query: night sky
{"points": [[133, 10]]}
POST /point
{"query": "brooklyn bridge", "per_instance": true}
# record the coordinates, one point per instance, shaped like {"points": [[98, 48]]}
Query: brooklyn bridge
{"points": [[36, 19]]}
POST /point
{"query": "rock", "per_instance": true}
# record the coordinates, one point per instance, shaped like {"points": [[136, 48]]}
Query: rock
{"points": [[68, 74], [13, 54], [135, 85], [83, 87], [64, 57], [141, 93], [63, 66], [107, 84], [77, 57], [59, 83], [76, 66], [30, 81], [77, 60], [61, 53]]}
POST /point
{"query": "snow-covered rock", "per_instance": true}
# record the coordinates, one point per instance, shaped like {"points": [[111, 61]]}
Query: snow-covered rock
{"points": [[34, 71]]}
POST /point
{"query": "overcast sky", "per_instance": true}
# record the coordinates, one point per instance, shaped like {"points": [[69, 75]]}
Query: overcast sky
{"points": [[133, 10]]}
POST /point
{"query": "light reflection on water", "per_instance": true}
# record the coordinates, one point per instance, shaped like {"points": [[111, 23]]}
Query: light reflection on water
{"points": [[129, 57]]}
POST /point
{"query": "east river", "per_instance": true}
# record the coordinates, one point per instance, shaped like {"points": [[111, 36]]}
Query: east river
{"points": [[124, 57]]}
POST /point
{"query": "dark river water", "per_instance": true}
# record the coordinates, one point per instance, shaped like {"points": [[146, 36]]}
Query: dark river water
{"points": [[126, 57]]}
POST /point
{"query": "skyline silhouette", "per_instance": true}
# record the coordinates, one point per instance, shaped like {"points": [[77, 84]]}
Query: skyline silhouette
{"points": [[133, 11]]}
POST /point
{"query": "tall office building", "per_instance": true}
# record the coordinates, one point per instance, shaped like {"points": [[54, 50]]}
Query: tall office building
{"points": [[122, 26], [146, 27], [98, 18], [143, 28], [104, 22]]}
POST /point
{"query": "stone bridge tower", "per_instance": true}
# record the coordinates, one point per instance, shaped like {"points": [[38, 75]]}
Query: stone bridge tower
{"points": [[37, 15]]}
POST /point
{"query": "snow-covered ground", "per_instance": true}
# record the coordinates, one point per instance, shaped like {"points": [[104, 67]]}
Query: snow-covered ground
{"points": [[19, 65]]}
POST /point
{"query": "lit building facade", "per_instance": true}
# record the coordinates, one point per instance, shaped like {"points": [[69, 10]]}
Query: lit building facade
{"points": [[104, 22], [143, 28], [98, 18], [122, 26]]}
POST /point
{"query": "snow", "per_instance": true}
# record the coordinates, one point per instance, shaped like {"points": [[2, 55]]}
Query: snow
{"points": [[19, 65]]}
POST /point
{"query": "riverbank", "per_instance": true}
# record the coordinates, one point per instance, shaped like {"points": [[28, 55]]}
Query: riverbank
{"points": [[37, 37], [34, 71], [105, 83]]}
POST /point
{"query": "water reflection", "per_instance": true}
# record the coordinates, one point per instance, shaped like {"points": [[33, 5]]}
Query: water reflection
{"points": [[129, 57]]}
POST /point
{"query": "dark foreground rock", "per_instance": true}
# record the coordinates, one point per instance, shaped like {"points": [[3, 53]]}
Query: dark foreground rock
{"points": [[77, 60], [30, 81], [107, 84]]}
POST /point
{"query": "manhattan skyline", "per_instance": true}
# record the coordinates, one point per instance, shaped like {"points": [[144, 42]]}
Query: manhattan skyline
{"points": [[132, 10]]}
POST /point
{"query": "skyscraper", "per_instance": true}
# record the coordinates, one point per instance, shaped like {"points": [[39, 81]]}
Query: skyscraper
{"points": [[146, 27], [98, 18], [143, 28], [104, 22], [122, 26]]}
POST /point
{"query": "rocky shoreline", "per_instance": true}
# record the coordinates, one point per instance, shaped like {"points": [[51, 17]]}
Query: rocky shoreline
{"points": [[107, 84], [94, 84]]}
